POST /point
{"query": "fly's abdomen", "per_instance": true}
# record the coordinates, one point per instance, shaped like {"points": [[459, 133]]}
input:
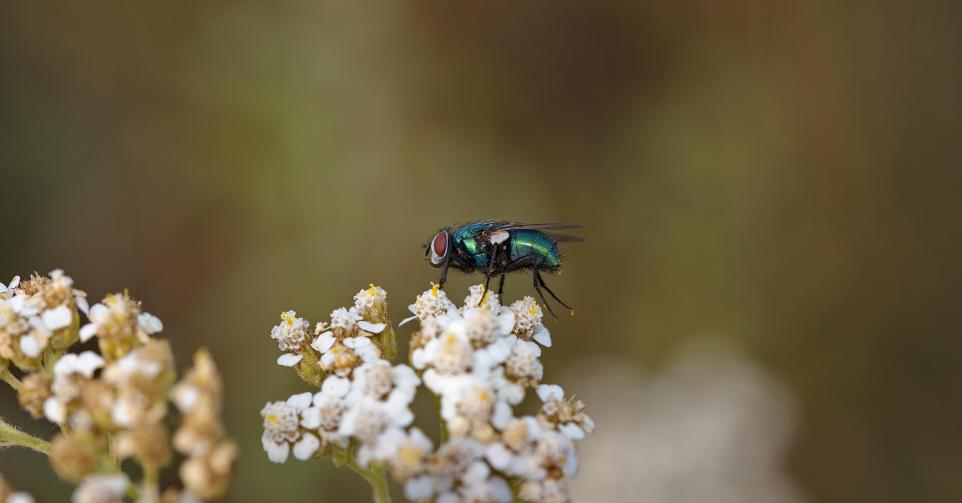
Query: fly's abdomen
{"points": [[527, 242]]}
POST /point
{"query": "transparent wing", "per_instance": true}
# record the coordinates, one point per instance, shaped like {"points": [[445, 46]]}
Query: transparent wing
{"points": [[499, 227]]}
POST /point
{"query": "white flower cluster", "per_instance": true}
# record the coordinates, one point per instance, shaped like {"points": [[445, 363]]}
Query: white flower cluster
{"points": [[33, 313], [362, 397], [115, 398], [479, 359]]}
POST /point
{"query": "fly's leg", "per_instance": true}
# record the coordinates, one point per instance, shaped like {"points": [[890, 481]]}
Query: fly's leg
{"points": [[501, 286], [444, 273], [537, 287], [544, 285], [492, 260]]}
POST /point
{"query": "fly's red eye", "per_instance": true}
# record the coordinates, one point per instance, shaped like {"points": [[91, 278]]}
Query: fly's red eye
{"points": [[440, 244]]}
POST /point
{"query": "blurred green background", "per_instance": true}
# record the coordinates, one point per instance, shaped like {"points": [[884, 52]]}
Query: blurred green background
{"points": [[783, 175]]}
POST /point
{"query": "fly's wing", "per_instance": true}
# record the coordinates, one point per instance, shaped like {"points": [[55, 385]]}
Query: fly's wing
{"points": [[498, 233]]}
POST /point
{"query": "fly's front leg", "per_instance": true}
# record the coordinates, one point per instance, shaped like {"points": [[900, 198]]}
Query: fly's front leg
{"points": [[444, 273], [492, 260], [501, 286]]}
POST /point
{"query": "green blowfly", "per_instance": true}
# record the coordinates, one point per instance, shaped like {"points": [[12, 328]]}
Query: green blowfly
{"points": [[496, 248]]}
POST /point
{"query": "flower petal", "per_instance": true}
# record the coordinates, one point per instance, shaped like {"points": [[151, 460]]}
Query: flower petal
{"points": [[57, 318], [277, 453], [306, 446], [335, 386], [87, 331], [150, 323], [30, 346], [550, 392], [572, 431], [301, 400], [542, 336], [54, 410], [289, 359], [324, 342], [374, 328]]}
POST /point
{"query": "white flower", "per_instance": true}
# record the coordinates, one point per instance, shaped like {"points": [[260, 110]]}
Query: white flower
{"points": [[547, 490], [404, 453], [378, 380], [430, 304], [345, 320], [420, 488], [479, 485], [281, 428], [102, 488], [527, 321], [136, 377], [20, 497], [522, 364], [371, 303], [119, 316], [341, 359], [13, 285], [567, 415], [326, 414], [451, 353], [366, 419], [347, 343], [475, 294], [290, 334]]}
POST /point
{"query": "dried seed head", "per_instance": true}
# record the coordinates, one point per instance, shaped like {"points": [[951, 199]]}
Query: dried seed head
{"points": [[74, 456], [147, 443], [207, 477], [34, 390]]}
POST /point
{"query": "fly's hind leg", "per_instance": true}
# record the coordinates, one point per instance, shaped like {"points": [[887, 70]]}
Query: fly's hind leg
{"points": [[537, 275], [537, 287]]}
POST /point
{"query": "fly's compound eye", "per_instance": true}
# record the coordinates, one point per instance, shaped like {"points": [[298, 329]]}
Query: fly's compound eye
{"points": [[439, 248]]}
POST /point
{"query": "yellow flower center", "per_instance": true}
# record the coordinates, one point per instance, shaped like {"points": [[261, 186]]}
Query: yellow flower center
{"points": [[409, 455], [434, 290]]}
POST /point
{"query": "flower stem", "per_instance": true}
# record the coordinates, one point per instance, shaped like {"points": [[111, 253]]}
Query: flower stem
{"points": [[10, 379], [11, 435], [443, 423], [374, 475]]}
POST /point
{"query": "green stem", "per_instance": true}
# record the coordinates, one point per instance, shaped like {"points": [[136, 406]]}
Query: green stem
{"points": [[10, 379], [444, 424], [11, 435], [374, 475], [150, 476]]}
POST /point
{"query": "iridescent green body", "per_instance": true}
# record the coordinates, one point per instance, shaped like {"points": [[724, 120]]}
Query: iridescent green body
{"points": [[520, 244]]}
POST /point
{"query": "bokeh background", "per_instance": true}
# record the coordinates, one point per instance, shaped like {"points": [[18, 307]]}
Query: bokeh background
{"points": [[781, 179]]}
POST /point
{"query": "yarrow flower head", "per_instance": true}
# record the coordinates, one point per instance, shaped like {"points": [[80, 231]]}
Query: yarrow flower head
{"points": [[479, 359], [36, 314], [111, 404], [371, 304], [120, 325], [282, 421]]}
